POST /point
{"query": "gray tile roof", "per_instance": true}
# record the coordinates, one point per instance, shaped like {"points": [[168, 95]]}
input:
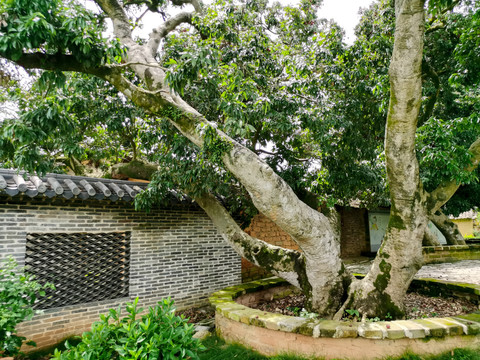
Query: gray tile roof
{"points": [[14, 183]]}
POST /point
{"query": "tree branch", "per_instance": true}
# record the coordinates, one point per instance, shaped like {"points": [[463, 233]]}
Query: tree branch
{"points": [[197, 4], [140, 17], [432, 74], [438, 197], [121, 23], [160, 32], [128, 64], [269, 192], [440, 25], [265, 152], [152, 101], [444, 11], [435, 28], [60, 62], [448, 228], [288, 264]]}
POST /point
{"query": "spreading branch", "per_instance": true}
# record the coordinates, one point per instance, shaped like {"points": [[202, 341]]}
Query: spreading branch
{"points": [[269, 192], [163, 30], [445, 191], [288, 264], [152, 101], [171, 24], [60, 62], [121, 23], [434, 27]]}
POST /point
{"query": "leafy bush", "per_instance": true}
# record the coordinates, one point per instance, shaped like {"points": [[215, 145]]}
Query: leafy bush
{"points": [[475, 235], [160, 334], [18, 292]]}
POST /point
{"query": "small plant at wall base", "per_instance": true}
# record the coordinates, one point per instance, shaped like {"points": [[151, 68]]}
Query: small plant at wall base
{"points": [[160, 334], [352, 314], [18, 292]]}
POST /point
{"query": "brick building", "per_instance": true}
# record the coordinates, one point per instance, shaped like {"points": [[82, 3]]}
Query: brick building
{"points": [[84, 235]]}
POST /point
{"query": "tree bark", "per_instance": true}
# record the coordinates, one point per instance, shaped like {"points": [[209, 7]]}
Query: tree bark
{"points": [[400, 256], [382, 291], [323, 285], [430, 239], [271, 195], [448, 228]]}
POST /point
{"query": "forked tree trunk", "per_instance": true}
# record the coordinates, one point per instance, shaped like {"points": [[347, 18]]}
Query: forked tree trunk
{"points": [[271, 195], [318, 270]]}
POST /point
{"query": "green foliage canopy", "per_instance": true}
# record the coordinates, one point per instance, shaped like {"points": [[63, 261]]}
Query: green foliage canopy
{"points": [[277, 79]]}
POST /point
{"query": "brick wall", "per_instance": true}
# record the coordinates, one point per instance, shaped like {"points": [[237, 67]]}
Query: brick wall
{"points": [[354, 238], [263, 228], [175, 252], [450, 253]]}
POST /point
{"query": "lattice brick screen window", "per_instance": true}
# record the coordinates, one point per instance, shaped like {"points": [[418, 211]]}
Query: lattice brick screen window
{"points": [[83, 267]]}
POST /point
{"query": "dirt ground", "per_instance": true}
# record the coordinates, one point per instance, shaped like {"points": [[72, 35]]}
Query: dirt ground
{"points": [[417, 306]]}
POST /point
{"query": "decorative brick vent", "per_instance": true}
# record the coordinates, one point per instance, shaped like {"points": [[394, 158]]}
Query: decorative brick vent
{"points": [[84, 267]]}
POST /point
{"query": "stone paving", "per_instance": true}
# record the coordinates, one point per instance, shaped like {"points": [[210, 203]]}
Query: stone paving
{"points": [[467, 271]]}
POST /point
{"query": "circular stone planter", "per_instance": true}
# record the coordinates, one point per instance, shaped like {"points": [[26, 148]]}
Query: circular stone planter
{"points": [[274, 334]]}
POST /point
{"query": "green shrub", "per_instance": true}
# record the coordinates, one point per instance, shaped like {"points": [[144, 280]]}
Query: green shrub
{"points": [[18, 292], [160, 334]]}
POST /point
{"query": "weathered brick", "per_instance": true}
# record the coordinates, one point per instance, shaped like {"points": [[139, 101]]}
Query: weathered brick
{"points": [[174, 252]]}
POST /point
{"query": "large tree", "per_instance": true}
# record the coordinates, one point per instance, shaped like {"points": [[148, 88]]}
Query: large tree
{"points": [[275, 82]]}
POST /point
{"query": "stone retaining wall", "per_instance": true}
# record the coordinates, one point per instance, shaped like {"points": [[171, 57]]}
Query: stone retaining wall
{"points": [[449, 253], [273, 334]]}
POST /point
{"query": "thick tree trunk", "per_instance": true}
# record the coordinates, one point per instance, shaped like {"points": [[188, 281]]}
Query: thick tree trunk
{"points": [[318, 270], [448, 228], [322, 281], [382, 291], [429, 238]]}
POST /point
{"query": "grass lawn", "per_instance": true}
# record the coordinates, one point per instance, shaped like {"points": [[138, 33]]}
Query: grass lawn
{"points": [[218, 350]]}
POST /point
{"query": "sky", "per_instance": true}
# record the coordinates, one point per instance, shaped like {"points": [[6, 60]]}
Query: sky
{"points": [[345, 13]]}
